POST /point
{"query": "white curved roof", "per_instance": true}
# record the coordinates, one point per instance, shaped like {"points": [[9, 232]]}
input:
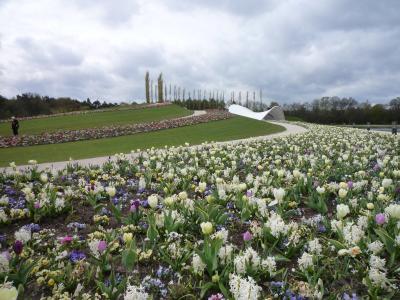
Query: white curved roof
{"points": [[275, 113]]}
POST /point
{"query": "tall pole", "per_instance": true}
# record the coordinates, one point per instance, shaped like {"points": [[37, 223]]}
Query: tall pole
{"points": [[151, 91], [174, 92]]}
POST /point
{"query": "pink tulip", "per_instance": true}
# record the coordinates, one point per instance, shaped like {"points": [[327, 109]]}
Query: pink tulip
{"points": [[380, 219], [247, 236], [67, 239], [102, 246]]}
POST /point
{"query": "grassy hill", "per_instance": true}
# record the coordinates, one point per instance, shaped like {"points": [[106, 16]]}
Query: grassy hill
{"points": [[99, 119]]}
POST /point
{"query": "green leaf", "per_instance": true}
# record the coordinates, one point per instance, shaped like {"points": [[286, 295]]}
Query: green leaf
{"points": [[129, 256], [386, 239], [223, 290], [205, 288], [338, 245]]}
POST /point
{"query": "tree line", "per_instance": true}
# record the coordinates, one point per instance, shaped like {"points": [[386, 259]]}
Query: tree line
{"points": [[201, 104], [335, 110], [30, 104]]}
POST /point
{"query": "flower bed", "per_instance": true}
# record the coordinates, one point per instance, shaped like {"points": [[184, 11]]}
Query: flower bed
{"points": [[311, 216], [63, 136], [135, 107]]}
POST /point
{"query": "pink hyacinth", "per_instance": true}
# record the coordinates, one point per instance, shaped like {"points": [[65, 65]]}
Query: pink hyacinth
{"points": [[102, 246], [380, 219], [67, 239], [37, 205], [247, 236]]}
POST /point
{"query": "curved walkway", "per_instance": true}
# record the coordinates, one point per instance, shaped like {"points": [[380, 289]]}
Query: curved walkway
{"points": [[57, 166]]}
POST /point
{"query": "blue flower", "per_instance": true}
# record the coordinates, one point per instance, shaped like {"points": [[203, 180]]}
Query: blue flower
{"points": [[76, 256]]}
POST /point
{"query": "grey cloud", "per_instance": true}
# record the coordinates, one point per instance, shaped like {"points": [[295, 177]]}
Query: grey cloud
{"points": [[136, 61], [113, 13], [49, 55]]}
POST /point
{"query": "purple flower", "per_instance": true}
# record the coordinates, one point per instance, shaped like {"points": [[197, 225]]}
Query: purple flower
{"points": [[134, 206], [321, 228], [218, 296], [247, 236], [102, 246], [17, 247], [277, 283], [380, 219], [249, 193], [350, 184], [6, 254], [33, 227], [397, 190], [115, 200], [76, 256], [347, 296], [3, 238]]}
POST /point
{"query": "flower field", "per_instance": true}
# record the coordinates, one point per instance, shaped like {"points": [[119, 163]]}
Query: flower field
{"points": [[310, 216]]}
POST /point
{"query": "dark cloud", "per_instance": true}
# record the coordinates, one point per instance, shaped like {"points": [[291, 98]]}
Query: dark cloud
{"points": [[237, 7]]}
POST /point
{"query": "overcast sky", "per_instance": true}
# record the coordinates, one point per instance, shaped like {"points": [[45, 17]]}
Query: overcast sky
{"points": [[291, 49]]}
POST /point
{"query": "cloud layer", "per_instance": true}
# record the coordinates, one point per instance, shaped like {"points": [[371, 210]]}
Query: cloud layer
{"points": [[293, 50]]}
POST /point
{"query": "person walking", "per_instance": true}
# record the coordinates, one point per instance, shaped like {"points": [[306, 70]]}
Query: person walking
{"points": [[14, 125]]}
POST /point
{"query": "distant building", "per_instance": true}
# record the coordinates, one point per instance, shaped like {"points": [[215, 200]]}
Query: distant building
{"points": [[274, 114]]}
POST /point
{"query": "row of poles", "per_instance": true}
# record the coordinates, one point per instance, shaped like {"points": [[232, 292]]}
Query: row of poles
{"points": [[160, 93]]}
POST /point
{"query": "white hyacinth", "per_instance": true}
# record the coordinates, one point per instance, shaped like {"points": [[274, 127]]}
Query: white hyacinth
{"points": [[375, 247], [314, 246], [305, 261], [23, 235], [135, 293], [197, 264], [243, 289], [386, 182]]}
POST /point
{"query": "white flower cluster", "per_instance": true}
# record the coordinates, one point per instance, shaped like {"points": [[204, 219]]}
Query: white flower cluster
{"points": [[305, 261], [197, 264], [24, 235], [243, 289], [135, 293], [377, 272], [251, 259]]}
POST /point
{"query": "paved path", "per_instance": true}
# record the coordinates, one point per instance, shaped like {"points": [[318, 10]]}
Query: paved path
{"points": [[56, 166]]}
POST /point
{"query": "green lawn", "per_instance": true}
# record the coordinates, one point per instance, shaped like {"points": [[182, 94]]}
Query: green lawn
{"points": [[97, 119], [230, 129]]}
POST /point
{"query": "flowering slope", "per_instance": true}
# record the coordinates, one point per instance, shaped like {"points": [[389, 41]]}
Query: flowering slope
{"points": [[63, 136], [309, 216]]}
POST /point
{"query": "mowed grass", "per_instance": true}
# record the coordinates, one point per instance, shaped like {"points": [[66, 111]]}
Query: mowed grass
{"points": [[224, 130], [96, 119]]}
